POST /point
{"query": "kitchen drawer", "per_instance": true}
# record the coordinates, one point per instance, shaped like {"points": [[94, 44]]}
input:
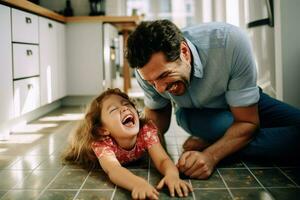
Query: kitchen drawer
{"points": [[26, 60], [26, 95], [24, 27]]}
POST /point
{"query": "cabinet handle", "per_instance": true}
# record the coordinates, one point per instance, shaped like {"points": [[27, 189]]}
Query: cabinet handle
{"points": [[29, 86], [29, 52], [28, 20], [50, 25]]}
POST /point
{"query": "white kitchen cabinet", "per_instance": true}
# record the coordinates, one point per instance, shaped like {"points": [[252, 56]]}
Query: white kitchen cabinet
{"points": [[32, 65], [26, 95], [61, 60], [6, 77], [26, 84], [24, 27], [26, 60], [48, 60]]}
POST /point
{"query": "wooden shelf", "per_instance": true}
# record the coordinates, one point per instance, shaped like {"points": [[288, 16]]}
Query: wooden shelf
{"points": [[109, 19], [120, 22]]}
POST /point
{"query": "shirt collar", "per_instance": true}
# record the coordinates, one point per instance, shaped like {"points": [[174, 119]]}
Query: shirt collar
{"points": [[198, 67]]}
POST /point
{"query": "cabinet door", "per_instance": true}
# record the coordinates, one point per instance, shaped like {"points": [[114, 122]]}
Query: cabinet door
{"points": [[24, 27], [26, 95], [61, 59], [48, 60], [26, 60], [6, 78]]}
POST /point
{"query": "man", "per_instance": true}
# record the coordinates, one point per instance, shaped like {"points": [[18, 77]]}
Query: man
{"points": [[209, 73]]}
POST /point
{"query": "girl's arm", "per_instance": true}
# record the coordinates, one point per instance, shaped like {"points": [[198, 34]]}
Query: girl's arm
{"points": [[162, 161], [140, 188], [171, 175]]}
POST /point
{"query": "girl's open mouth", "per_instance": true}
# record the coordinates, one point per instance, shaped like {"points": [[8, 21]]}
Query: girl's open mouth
{"points": [[128, 120]]}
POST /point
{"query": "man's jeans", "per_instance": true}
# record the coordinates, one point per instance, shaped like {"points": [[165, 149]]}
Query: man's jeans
{"points": [[278, 136]]}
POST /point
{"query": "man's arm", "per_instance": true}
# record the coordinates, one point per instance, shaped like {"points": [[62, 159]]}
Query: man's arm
{"points": [[161, 117], [238, 135]]}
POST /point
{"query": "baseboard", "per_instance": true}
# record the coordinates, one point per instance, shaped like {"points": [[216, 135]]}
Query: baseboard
{"points": [[77, 100]]}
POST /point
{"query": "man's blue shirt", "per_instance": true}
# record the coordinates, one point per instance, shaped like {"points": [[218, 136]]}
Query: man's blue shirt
{"points": [[223, 70]]}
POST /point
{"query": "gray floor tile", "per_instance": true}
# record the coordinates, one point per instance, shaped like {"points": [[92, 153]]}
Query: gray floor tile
{"points": [[272, 178], [251, 194], [28, 162], [6, 161], [238, 178], [58, 195], [93, 195], [259, 163], [38, 127], [21, 195], [52, 162], [10, 178], [285, 193], [98, 180], [293, 173], [38, 179], [2, 192], [17, 146], [288, 163], [69, 179], [122, 194], [40, 150], [220, 194], [214, 181]]}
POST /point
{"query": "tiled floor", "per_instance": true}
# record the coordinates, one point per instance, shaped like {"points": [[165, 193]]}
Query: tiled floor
{"points": [[30, 168]]}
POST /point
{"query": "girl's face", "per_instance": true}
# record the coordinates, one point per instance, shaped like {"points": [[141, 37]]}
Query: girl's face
{"points": [[119, 118]]}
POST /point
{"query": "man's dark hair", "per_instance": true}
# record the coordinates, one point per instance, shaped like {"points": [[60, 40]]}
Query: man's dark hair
{"points": [[152, 37]]}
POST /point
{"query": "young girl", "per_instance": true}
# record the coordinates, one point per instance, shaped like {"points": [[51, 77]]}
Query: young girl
{"points": [[112, 134]]}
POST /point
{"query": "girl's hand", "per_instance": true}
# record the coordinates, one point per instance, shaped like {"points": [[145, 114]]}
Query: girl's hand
{"points": [[144, 190], [174, 183]]}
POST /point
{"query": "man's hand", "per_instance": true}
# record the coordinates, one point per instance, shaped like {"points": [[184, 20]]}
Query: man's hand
{"points": [[194, 164], [144, 191]]}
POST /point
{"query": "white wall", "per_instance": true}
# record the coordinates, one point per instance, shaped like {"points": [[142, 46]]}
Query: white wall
{"points": [[116, 7], [84, 58], [287, 50]]}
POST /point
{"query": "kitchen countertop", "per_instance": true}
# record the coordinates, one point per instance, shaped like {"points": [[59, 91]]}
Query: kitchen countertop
{"points": [[33, 8], [121, 22]]}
